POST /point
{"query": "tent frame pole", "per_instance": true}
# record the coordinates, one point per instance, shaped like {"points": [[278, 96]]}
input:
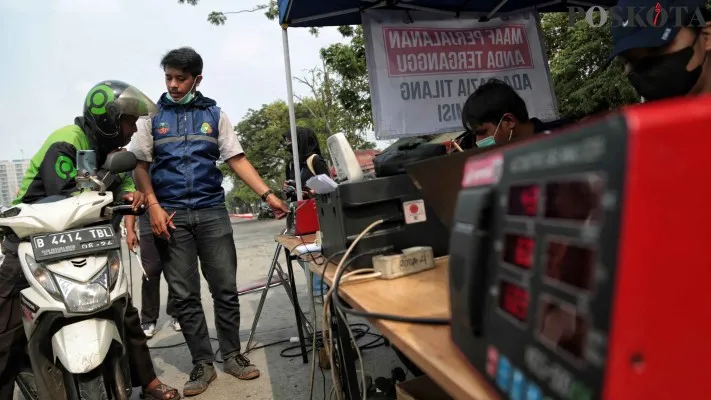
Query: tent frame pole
{"points": [[292, 113]]}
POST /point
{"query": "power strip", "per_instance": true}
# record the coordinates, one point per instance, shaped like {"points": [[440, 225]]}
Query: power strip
{"points": [[411, 261]]}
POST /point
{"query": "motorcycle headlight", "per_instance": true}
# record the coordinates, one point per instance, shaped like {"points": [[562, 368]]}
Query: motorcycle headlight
{"points": [[85, 297], [114, 264], [43, 277]]}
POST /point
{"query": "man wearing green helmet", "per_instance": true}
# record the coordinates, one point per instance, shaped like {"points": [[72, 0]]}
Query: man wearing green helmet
{"points": [[111, 111]]}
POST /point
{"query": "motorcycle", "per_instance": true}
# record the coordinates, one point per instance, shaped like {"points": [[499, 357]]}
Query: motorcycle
{"points": [[265, 212], [74, 307]]}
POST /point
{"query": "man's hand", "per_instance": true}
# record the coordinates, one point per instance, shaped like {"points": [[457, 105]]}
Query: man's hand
{"points": [[278, 206], [137, 200], [131, 239], [160, 222]]}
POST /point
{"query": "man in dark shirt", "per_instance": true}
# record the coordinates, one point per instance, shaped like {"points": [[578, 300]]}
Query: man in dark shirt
{"points": [[668, 59], [310, 160], [496, 114]]}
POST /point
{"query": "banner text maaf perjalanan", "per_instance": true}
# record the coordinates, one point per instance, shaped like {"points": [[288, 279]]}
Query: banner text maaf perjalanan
{"points": [[432, 51]]}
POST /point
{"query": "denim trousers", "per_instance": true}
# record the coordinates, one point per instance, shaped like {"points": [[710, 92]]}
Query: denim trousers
{"points": [[150, 284], [318, 286], [204, 234]]}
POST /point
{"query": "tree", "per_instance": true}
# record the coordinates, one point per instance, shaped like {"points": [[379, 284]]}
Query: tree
{"points": [[577, 58], [329, 111], [577, 55], [347, 61], [219, 17], [261, 134]]}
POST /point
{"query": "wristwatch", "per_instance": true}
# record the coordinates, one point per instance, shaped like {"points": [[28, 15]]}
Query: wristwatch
{"points": [[266, 194]]}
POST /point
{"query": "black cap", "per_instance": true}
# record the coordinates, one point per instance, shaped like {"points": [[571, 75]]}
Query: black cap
{"points": [[655, 23]]}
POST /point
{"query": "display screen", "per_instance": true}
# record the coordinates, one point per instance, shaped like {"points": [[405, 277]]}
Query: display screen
{"points": [[562, 328], [519, 250], [577, 200], [523, 200], [513, 300], [570, 264]]}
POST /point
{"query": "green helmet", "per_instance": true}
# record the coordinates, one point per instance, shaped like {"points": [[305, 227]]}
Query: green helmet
{"points": [[106, 102]]}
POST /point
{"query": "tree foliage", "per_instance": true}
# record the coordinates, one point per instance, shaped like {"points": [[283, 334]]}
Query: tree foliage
{"points": [[261, 134], [326, 108], [577, 57], [339, 98], [347, 62], [577, 54]]}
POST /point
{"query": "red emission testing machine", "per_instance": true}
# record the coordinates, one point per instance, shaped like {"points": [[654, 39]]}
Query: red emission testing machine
{"points": [[580, 261]]}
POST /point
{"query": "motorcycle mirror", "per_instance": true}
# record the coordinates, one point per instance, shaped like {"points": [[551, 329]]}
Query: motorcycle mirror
{"points": [[120, 161], [86, 163]]}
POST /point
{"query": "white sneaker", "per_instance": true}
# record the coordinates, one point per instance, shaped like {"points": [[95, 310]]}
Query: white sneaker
{"points": [[175, 324], [149, 329]]}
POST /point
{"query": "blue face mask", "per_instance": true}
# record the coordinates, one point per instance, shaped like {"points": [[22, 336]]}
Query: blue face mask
{"points": [[486, 142], [185, 99], [491, 140]]}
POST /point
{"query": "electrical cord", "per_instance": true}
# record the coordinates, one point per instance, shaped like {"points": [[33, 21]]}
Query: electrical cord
{"points": [[313, 323], [342, 266], [388, 317], [311, 253], [318, 336], [327, 300], [357, 331], [360, 331]]}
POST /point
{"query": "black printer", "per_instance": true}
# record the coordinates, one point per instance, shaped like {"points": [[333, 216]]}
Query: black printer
{"points": [[409, 221]]}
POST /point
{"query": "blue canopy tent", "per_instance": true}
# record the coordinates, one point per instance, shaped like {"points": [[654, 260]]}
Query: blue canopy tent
{"points": [[320, 13], [316, 13]]}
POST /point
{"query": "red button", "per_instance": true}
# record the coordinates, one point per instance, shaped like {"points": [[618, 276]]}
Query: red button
{"points": [[414, 209]]}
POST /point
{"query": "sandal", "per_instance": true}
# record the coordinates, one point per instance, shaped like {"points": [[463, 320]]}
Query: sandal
{"points": [[159, 393]]}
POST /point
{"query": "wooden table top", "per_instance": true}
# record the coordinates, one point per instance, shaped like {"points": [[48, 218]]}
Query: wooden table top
{"points": [[292, 242], [425, 294]]}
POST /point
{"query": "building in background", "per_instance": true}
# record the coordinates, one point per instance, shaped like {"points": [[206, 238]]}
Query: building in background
{"points": [[11, 174]]}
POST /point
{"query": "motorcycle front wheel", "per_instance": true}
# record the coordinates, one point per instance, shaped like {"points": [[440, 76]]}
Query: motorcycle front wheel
{"points": [[92, 386]]}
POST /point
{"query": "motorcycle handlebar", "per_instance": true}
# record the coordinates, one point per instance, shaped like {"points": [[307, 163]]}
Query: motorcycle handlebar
{"points": [[126, 209]]}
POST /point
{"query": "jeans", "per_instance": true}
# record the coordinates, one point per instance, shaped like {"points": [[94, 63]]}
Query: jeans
{"points": [[150, 285], [205, 234], [317, 284]]}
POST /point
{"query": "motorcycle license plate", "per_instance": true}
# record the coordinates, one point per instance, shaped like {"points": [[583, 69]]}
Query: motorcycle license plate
{"points": [[74, 243]]}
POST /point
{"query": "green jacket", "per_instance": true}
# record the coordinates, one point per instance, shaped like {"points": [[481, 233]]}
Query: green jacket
{"points": [[53, 169]]}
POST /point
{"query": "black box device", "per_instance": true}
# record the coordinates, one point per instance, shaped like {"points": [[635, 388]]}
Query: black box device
{"points": [[344, 213]]}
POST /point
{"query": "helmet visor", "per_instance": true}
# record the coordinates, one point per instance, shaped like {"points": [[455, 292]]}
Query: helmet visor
{"points": [[133, 102]]}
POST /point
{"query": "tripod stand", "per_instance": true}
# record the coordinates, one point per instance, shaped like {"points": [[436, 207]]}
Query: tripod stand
{"points": [[289, 285]]}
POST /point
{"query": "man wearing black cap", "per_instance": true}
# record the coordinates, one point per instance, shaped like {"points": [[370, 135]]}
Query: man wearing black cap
{"points": [[666, 59]]}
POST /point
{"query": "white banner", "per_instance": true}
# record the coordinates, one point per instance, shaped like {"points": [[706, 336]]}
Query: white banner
{"points": [[422, 71]]}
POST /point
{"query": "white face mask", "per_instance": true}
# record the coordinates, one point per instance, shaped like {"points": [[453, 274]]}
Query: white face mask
{"points": [[491, 140]]}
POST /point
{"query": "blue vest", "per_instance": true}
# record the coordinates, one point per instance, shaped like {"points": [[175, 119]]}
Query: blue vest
{"points": [[184, 172]]}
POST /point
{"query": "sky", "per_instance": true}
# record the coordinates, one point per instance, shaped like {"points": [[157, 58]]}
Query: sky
{"points": [[54, 51]]}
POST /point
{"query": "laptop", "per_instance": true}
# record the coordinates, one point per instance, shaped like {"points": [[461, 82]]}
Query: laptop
{"points": [[440, 179]]}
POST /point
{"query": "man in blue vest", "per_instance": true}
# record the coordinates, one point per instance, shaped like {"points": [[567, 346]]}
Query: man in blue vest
{"points": [[177, 151]]}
